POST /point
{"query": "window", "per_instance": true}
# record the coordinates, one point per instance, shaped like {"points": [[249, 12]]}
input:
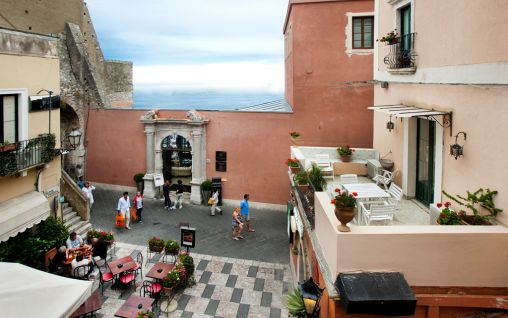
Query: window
{"points": [[9, 118], [221, 161], [363, 29]]}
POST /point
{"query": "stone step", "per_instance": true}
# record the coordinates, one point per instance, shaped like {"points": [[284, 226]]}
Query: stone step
{"points": [[73, 220], [65, 205], [68, 210], [76, 226], [83, 229], [69, 215]]}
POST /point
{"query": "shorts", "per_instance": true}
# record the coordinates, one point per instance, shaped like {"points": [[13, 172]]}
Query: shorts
{"points": [[244, 218]]}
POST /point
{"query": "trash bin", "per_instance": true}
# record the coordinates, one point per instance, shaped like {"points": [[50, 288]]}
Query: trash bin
{"points": [[217, 185]]}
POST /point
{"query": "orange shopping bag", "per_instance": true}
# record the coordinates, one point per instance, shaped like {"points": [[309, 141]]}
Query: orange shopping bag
{"points": [[120, 220], [133, 214]]}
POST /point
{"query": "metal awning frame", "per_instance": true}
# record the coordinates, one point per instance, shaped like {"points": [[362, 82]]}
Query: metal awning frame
{"points": [[404, 111]]}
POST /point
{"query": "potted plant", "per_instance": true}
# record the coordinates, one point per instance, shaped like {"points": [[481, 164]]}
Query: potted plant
{"points": [[172, 247], [155, 244], [101, 235], [206, 191], [481, 198], [345, 208], [316, 177], [448, 216], [188, 262], [390, 38], [302, 181], [294, 137], [293, 164], [345, 153], [295, 305], [171, 281], [146, 314], [138, 178], [7, 146], [182, 272], [47, 142]]}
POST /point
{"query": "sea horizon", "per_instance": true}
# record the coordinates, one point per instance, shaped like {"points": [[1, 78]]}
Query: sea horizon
{"points": [[204, 100]]}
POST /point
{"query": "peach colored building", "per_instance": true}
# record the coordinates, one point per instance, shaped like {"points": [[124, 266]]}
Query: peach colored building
{"points": [[328, 65]]}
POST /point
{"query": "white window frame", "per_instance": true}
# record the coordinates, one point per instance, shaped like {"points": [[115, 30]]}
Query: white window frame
{"points": [[349, 33], [22, 96]]}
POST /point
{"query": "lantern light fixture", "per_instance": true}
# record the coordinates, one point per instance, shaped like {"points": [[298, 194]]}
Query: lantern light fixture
{"points": [[311, 294], [457, 150], [73, 140], [390, 125]]}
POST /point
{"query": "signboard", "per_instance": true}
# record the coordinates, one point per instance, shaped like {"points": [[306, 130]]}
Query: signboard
{"points": [[187, 236], [299, 223], [158, 180]]}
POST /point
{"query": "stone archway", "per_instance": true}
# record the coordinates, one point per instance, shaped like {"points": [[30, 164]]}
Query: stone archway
{"points": [[192, 130], [69, 121]]}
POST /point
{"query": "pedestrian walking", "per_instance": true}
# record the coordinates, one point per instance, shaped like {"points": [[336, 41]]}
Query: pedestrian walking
{"points": [[124, 206], [179, 194], [87, 190], [215, 201], [244, 207], [139, 203], [165, 191], [237, 225]]}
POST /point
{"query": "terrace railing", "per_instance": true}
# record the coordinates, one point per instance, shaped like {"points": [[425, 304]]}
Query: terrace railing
{"points": [[26, 154], [306, 197], [402, 53]]}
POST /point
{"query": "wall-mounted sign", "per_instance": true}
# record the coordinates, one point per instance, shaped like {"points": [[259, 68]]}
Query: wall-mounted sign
{"points": [[187, 237], [38, 103], [158, 180]]}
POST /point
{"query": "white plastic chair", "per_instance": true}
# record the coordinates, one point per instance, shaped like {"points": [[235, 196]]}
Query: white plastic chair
{"points": [[377, 212], [324, 163], [396, 194], [348, 178], [385, 178]]}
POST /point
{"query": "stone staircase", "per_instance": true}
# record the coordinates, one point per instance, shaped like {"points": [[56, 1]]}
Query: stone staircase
{"points": [[73, 221]]}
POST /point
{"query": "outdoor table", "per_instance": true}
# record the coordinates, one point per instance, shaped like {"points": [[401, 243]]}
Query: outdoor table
{"points": [[159, 270], [365, 192], [126, 263], [90, 306], [131, 308]]}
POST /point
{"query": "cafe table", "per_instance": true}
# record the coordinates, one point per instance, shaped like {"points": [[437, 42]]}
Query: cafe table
{"points": [[159, 270], [133, 305], [365, 192], [121, 265]]}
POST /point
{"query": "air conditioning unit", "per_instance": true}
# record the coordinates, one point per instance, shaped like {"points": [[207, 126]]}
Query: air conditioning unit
{"points": [[373, 167]]}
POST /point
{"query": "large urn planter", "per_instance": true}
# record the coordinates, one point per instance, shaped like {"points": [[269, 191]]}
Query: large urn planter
{"points": [[345, 215], [345, 158]]}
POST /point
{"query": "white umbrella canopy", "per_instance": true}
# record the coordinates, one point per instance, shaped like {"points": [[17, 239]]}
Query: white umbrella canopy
{"points": [[28, 292]]}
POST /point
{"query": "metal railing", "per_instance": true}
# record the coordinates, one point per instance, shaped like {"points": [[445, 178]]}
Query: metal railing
{"points": [[306, 197], [402, 53], [25, 154]]}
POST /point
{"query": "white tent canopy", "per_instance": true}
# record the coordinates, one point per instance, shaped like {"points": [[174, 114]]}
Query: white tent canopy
{"points": [[27, 292]]}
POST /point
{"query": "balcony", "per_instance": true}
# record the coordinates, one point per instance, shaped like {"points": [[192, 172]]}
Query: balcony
{"points": [[26, 154], [401, 59]]}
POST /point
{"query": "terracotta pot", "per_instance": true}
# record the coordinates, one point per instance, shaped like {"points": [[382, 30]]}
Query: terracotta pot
{"points": [[345, 215], [172, 253], [9, 147], [168, 290], [156, 249], [345, 158], [294, 170], [303, 187]]}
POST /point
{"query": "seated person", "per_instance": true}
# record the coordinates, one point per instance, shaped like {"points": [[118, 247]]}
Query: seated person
{"points": [[79, 261], [58, 262], [75, 242], [99, 248]]}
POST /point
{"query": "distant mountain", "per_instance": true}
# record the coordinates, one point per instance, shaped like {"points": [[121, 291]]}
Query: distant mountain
{"points": [[209, 100]]}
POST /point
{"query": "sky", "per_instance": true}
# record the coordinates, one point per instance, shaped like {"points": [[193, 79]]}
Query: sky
{"points": [[195, 45]]}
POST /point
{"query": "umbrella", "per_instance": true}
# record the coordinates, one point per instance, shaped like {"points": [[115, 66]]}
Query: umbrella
{"points": [[28, 292]]}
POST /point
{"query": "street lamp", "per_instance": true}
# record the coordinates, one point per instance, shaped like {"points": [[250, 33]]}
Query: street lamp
{"points": [[50, 93], [73, 140], [457, 150], [311, 294]]}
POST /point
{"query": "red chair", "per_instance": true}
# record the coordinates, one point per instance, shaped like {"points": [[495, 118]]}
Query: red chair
{"points": [[153, 289], [139, 264], [127, 279], [104, 278]]}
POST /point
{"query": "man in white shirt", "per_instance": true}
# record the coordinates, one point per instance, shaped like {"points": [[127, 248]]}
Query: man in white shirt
{"points": [[78, 261], [124, 206], [87, 189]]}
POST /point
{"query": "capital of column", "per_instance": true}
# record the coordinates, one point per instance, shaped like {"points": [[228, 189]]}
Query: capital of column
{"points": [[149, 129]]}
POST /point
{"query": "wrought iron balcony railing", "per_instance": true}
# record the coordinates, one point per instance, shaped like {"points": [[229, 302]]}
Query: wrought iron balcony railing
{"points": [[25, 154], [402, 53], [306, 196]]}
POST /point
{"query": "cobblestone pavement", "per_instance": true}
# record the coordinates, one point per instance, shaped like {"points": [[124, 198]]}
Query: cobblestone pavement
{"points": [[213, 233], [226, 287]]}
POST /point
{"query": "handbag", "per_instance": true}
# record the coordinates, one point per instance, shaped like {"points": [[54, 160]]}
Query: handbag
{"points": [[120, 220], [133, 214], [210, 201]]}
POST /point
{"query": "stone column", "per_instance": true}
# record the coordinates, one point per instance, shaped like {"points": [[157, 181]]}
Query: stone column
{"points": [[150, 191], [197, 171]]}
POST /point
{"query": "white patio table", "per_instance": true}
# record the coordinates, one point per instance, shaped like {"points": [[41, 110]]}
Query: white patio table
{"points": [[366, 192]]}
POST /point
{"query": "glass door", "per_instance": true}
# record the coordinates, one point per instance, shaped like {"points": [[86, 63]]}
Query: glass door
{"points": [[425, 161], [405, 28]]}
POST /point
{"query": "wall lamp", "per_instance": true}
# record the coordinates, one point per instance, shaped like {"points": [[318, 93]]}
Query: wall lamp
{"points": [[457, 150], [73, 140], [390, 125], [311, 294]]}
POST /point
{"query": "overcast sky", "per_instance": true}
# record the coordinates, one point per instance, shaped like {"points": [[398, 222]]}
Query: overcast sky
{"points": [[195, 44]]}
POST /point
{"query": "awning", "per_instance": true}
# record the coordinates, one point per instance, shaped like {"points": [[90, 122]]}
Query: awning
{"points": [[21, 213], [376, 294], [28, 292]]}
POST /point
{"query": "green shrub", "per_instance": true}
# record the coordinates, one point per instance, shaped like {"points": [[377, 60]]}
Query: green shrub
{"points": [[188, 262], [206, 185], [138, 177]]}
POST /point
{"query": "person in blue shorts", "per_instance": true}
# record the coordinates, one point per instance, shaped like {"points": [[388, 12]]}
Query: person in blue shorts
{"points": [[244, 208]]}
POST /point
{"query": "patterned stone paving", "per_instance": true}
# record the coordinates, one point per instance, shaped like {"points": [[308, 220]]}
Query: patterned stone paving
{"points": [[225, 287]]}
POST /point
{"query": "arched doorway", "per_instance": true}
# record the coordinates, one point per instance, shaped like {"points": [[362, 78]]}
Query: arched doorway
{"points": [[72, 162], [177, 159]]}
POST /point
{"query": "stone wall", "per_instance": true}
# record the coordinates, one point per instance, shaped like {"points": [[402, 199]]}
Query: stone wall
{"points": [[119, 83], [26, 44]]}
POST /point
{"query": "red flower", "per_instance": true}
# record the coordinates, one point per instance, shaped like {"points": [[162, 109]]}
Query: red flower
{"points": [[332, 201], [447, 204], [342, 204], [439, 205], [337, 190], [442, 215], [355, 194]]}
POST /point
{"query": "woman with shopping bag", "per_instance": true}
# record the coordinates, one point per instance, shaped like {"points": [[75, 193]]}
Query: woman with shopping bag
{"points": [[124, 206]]}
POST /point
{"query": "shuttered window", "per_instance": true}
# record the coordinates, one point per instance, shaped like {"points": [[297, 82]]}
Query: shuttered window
{"points": [[9, 118], [363, 30]]}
